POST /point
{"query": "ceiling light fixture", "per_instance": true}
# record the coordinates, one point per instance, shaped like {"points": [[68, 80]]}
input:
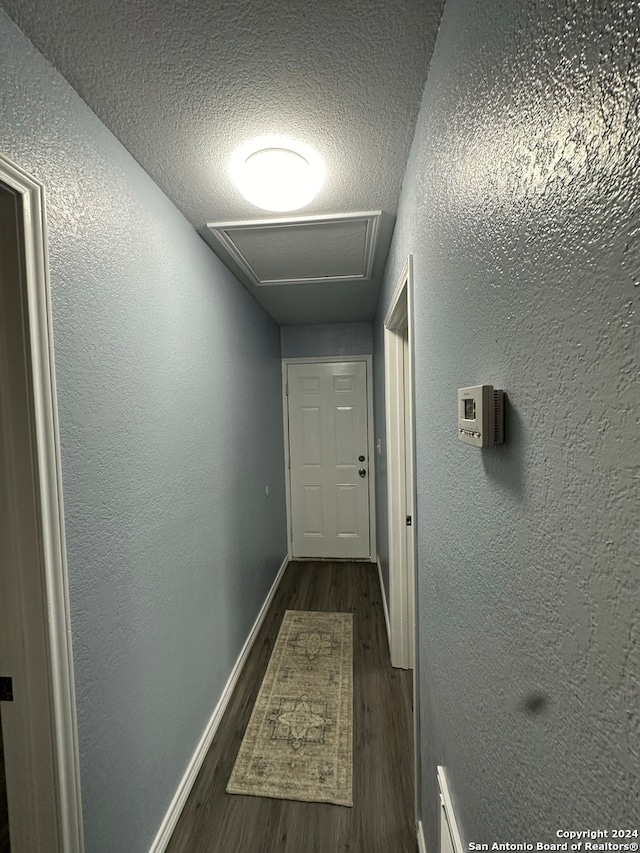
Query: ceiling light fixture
{"points": [[277, 173]]}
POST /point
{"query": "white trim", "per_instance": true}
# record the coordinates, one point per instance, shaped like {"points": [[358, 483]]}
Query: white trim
{"points": [[57, 669], [327, 359], [447, 803], [384, 602], [287, 462], [193, 768], [223, 235], [333, 359], [371, 457], [401, 471], [401, 466], [422, 846]]}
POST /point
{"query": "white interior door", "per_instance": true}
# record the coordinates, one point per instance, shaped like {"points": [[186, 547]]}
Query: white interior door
{"points": [[400, 474], [329, 459]]}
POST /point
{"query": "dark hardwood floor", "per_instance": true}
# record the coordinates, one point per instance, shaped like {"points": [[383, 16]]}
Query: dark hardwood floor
{"points": [[381, 820]]}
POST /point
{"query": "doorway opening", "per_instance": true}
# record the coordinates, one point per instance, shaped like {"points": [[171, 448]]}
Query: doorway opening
{"points": [[399, 405], [38, 715], [398, 346], [328, 418]]}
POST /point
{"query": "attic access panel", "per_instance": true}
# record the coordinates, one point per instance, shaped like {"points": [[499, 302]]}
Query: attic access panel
{"points": [[301, 250]]}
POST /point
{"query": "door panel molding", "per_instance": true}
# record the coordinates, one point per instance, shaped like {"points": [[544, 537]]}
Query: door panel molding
{"points": [[368, 360], [45, 731], [337, 393]]}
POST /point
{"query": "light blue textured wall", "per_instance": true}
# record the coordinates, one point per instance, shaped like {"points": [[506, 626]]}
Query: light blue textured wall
{"points": [[169, 394], [327, 340], [520, 206]]}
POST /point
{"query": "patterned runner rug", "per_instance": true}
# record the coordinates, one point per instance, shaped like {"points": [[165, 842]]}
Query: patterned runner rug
{"points": [[299, 741]]}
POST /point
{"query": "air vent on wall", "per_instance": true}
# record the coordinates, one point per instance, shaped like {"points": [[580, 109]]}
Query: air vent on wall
{"points": [[300, 250]]}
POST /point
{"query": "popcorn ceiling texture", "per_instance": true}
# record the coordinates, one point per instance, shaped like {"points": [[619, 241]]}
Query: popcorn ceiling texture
{"points": [[181, 84], [208, 78], [520, 206], [169, 396]]}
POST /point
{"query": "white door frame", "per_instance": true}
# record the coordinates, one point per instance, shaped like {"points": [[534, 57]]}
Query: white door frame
{"points": [[400, 469], [51, 775], [338, 359]]}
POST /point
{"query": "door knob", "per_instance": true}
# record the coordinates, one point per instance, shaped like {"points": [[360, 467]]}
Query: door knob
{"points": [[362, 472]]}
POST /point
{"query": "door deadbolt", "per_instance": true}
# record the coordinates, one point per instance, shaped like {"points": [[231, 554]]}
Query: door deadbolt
{"points": [[362, 472], [360, 458]]}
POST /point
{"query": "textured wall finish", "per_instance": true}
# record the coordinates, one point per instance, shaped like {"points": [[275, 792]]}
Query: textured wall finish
{"points": [[169, 395], [520, 205], [326, 340], [182, 83]]}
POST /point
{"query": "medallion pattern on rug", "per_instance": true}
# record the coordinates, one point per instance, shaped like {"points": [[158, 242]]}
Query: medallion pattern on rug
{"points": [[300, 721], [298, 744]]}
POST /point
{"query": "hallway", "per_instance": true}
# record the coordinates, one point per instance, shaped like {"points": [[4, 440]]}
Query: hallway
{"points": [[381, 820], [496, 147]]}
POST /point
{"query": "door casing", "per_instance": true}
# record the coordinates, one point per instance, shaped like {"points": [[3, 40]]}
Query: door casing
{"points": [[40, 729], [398, 343], [401, 486], [368, 359]]}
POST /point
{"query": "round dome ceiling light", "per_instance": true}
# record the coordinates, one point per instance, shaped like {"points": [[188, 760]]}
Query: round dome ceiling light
{"points": [[277, 173]]}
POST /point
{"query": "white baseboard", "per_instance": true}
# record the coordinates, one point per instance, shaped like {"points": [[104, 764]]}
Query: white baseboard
{"points": [[422, 847], [447, 804], [384, 602], [184, 788]]}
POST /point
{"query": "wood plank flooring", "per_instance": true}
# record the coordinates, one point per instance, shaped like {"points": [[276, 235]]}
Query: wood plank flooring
{"points": [[381, 820]]}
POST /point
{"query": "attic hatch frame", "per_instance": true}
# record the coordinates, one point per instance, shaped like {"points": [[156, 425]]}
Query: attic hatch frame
{"points": [[47, 806], [222, 234]]}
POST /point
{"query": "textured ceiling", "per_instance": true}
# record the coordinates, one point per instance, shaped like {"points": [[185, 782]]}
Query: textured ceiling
{"points": [[183, 83]]}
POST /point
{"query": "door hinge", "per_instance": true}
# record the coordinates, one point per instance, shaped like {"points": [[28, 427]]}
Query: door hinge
{"points": [[6, 689], [409, 521]]}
